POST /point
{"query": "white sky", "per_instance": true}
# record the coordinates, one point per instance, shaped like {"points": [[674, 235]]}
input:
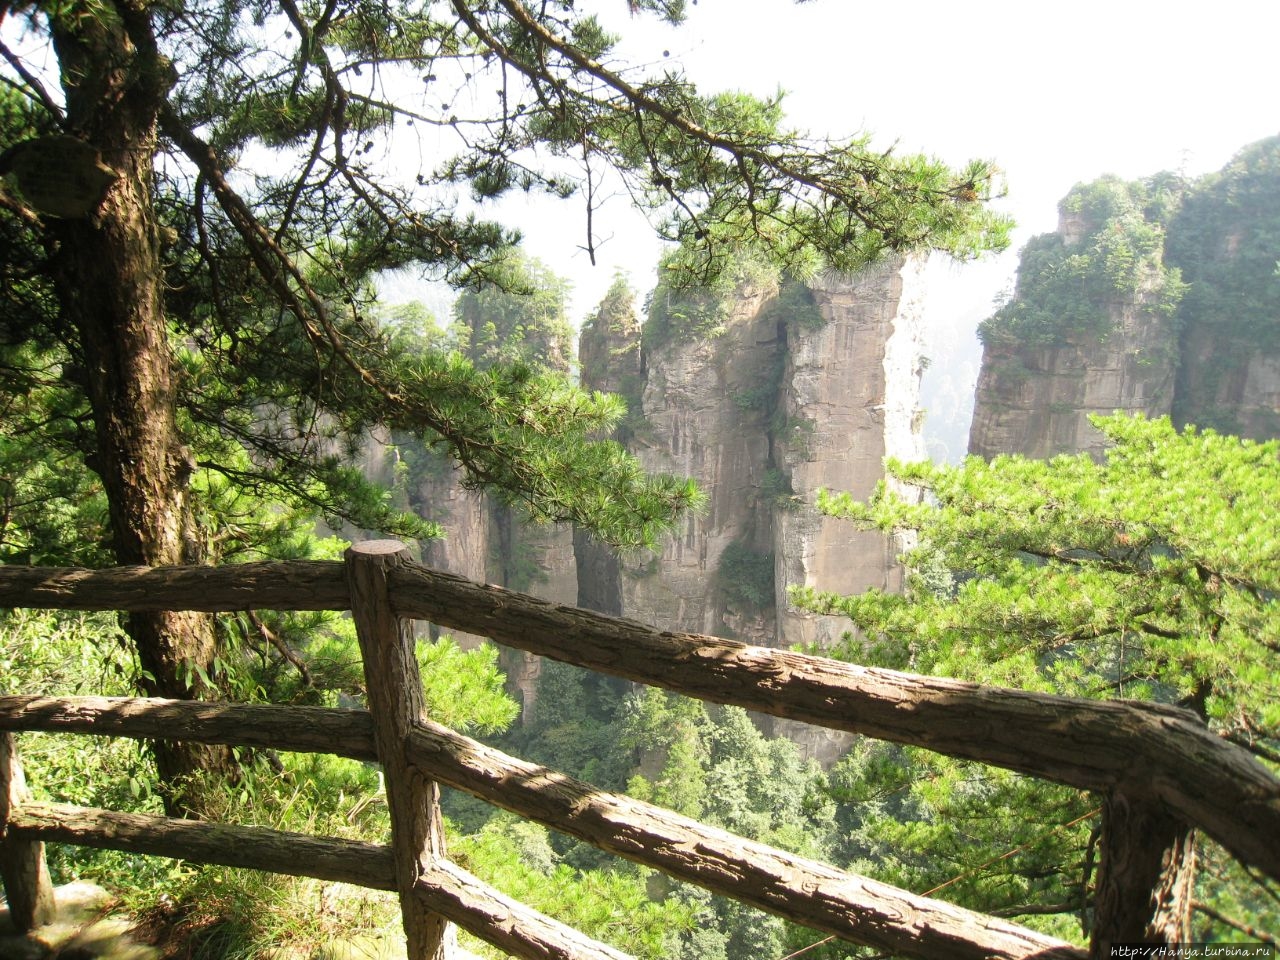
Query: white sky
{"points": [[1055, 93]]}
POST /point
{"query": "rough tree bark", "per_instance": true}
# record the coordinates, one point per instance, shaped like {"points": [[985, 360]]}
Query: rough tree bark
{"points": [[108, 275], [1146, 874]]}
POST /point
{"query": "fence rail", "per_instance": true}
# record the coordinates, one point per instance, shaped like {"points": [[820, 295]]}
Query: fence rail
{"points": [[1147, 760]]}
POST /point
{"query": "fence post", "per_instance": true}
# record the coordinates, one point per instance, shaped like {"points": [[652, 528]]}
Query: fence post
{"points": [[26, 876], [396, 703], [1146, 869]]}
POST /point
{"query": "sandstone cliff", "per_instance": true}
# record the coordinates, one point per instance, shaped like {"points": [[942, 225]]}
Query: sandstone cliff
{"points": [[1158, 296], [764, 394], [1224, 240], [1090, 328]]}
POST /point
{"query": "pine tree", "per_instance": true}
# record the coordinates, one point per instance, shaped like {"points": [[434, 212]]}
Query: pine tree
{"points": [[1152, 574], [201, 270]]}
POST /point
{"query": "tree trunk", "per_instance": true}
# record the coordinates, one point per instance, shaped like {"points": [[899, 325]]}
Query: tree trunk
{"points": [[1145, 876], [109, 275]]}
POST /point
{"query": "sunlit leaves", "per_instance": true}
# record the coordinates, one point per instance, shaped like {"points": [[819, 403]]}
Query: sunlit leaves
{"points": [[1152, 573], [1073, 286]]}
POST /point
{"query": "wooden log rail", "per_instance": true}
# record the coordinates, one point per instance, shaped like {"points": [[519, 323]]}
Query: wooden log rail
{"points": [[442, 888], [802, 890], [1152, 750]]}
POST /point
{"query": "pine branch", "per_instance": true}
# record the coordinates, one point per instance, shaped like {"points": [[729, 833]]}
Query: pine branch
{"points": [[1255, 933]]}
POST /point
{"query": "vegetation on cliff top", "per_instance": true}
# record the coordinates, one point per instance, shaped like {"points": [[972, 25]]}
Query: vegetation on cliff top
{"points": [[1072, 288], [1226, 241]]}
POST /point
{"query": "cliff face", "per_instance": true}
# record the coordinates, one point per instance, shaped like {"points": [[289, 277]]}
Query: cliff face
{"points": [[1037, 400], [852, 390], [1224, 239], [609, 358], [1090, 329], [776, 393], [1157, 297], [483, 539], [706, 405]]}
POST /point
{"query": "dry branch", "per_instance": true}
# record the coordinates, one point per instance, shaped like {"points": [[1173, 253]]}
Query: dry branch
{"points": [[802, 890], [344, 733], [256, 848], [269, 585]]}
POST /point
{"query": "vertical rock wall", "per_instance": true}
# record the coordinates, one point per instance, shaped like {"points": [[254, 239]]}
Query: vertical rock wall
{"points": [[489, 542], [1037, 401], [1224, 240], [792, 391], [609, 358], [1090, 328], [532, 558], [851, 396], [704, 417], [852, 390]]}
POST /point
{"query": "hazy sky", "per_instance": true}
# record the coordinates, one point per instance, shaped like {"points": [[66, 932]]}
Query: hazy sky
{"points": [[1054, 93]]}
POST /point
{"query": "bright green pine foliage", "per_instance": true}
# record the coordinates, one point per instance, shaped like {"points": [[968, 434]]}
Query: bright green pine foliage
{"points": [[1153, 574], [610, 905]]}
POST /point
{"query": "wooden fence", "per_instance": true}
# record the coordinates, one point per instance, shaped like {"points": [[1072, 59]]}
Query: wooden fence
{"points": [[1159, 771]]}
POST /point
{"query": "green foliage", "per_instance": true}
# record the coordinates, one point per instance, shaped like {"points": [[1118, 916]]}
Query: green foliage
{"points": [[796, 306], [776, 489], [1151, 575], [519, 318], [745, 576], [979, 835], [1070, 291], [678, 313], [464, 689], [610, 905], [219, 912], [713, 763], [1224, 240], [708, 762], [52, 508], [65, 654], [572, 728], [222, 913]]}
